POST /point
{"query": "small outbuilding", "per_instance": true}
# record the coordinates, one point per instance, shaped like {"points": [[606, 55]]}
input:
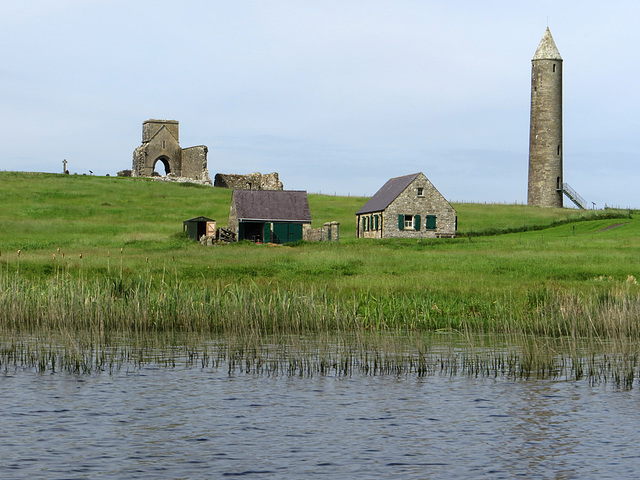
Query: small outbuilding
{"points": [[407, 207], [198, 227], [269, 216]]}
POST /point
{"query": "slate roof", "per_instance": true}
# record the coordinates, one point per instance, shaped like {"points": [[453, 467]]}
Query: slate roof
{"points": [[547, 49], [272, 205], [387, 194], [199, 219]]}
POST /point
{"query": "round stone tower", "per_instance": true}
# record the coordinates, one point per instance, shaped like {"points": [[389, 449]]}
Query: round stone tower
{"points": [[545, 134]]}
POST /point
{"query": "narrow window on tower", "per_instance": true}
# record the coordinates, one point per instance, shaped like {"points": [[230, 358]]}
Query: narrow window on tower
{"points": [[558, 149], [554, 67]]}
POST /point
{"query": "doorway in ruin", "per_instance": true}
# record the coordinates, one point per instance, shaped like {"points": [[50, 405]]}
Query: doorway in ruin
{"points": [[161, 166]]}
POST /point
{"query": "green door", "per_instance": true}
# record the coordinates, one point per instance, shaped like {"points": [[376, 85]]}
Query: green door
{"points": [[295, 232], [267, 233], [287, 232]]}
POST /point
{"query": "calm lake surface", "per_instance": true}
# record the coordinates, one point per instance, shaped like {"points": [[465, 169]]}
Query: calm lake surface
{"points": [[155, 422]]}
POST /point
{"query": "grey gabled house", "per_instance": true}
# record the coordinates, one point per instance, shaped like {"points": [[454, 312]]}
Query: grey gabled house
{"points": [[407, 207], [275, 216]]}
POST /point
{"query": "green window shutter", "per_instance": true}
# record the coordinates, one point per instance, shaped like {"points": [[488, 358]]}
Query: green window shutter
{"points": [[416, 222], [400, 222], [431, 222], [364, 223], [240, 231], [377, 218]]}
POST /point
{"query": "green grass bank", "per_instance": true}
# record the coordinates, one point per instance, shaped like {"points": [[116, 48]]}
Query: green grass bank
{"points": [[108, 254]]}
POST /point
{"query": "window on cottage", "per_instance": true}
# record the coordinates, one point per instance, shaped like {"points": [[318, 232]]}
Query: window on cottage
{"points": [[408, 222], [420, 192], [430, 222]]}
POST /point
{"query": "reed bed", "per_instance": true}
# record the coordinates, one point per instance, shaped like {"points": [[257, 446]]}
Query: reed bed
{"points": [[117, 305], [71, 323], [513, 358]]}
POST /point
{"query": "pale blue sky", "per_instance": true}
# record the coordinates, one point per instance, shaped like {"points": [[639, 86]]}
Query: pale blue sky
{"points": [[336, 96]]}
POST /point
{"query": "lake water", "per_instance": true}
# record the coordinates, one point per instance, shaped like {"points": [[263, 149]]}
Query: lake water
{"points": [[187, 422]]}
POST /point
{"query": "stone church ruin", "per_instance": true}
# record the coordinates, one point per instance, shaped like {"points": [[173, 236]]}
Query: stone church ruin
{"points": [[161, 144]]}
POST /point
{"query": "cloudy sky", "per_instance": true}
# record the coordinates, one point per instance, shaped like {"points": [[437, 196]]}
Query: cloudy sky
{"points": [[335, 95]]}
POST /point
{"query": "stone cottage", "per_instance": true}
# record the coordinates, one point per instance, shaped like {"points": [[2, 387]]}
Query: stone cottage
{"points": [[269, 216], [160, 143], [407, 207]]}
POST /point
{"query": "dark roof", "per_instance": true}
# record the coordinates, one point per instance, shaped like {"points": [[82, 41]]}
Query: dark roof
{"points": [[387, 194], [272, 205], [199, 219]]}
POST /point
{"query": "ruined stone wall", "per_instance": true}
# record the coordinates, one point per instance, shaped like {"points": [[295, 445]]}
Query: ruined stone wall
{"points": [[151, 127], [329, 232], [252, 181], [194, 163]]}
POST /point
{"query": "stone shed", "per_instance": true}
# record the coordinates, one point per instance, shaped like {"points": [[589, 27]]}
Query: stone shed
{"points": [[269, 216], [407, 207]]}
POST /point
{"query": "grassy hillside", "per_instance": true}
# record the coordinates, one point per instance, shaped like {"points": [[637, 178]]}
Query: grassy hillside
{"points": [[40, 211], [126, 235]]}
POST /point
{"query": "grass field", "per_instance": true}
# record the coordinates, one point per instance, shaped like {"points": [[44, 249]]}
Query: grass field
{"points": [[113, 240]]}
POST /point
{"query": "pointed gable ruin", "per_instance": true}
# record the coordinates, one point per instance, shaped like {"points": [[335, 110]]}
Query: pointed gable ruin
{"points": [[161, 144]]}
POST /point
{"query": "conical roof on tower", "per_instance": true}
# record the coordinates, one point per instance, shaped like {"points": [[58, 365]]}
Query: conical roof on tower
{"points": [[547, 49]]}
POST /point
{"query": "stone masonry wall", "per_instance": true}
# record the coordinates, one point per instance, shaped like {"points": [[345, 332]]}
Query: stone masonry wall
{"points": [[329, 232], [194, 163], [545, 136], [151, 127]]}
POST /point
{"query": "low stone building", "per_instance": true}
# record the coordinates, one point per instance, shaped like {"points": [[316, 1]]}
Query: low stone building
{"points": [[252, 181], [269, 216], [160, 143], [407, 207]]}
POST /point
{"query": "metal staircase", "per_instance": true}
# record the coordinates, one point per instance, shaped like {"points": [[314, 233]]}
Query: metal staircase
{"points": [[574, 196]]}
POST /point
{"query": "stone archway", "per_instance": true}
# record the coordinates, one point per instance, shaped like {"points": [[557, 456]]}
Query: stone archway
{"points": [[166, 163]]}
